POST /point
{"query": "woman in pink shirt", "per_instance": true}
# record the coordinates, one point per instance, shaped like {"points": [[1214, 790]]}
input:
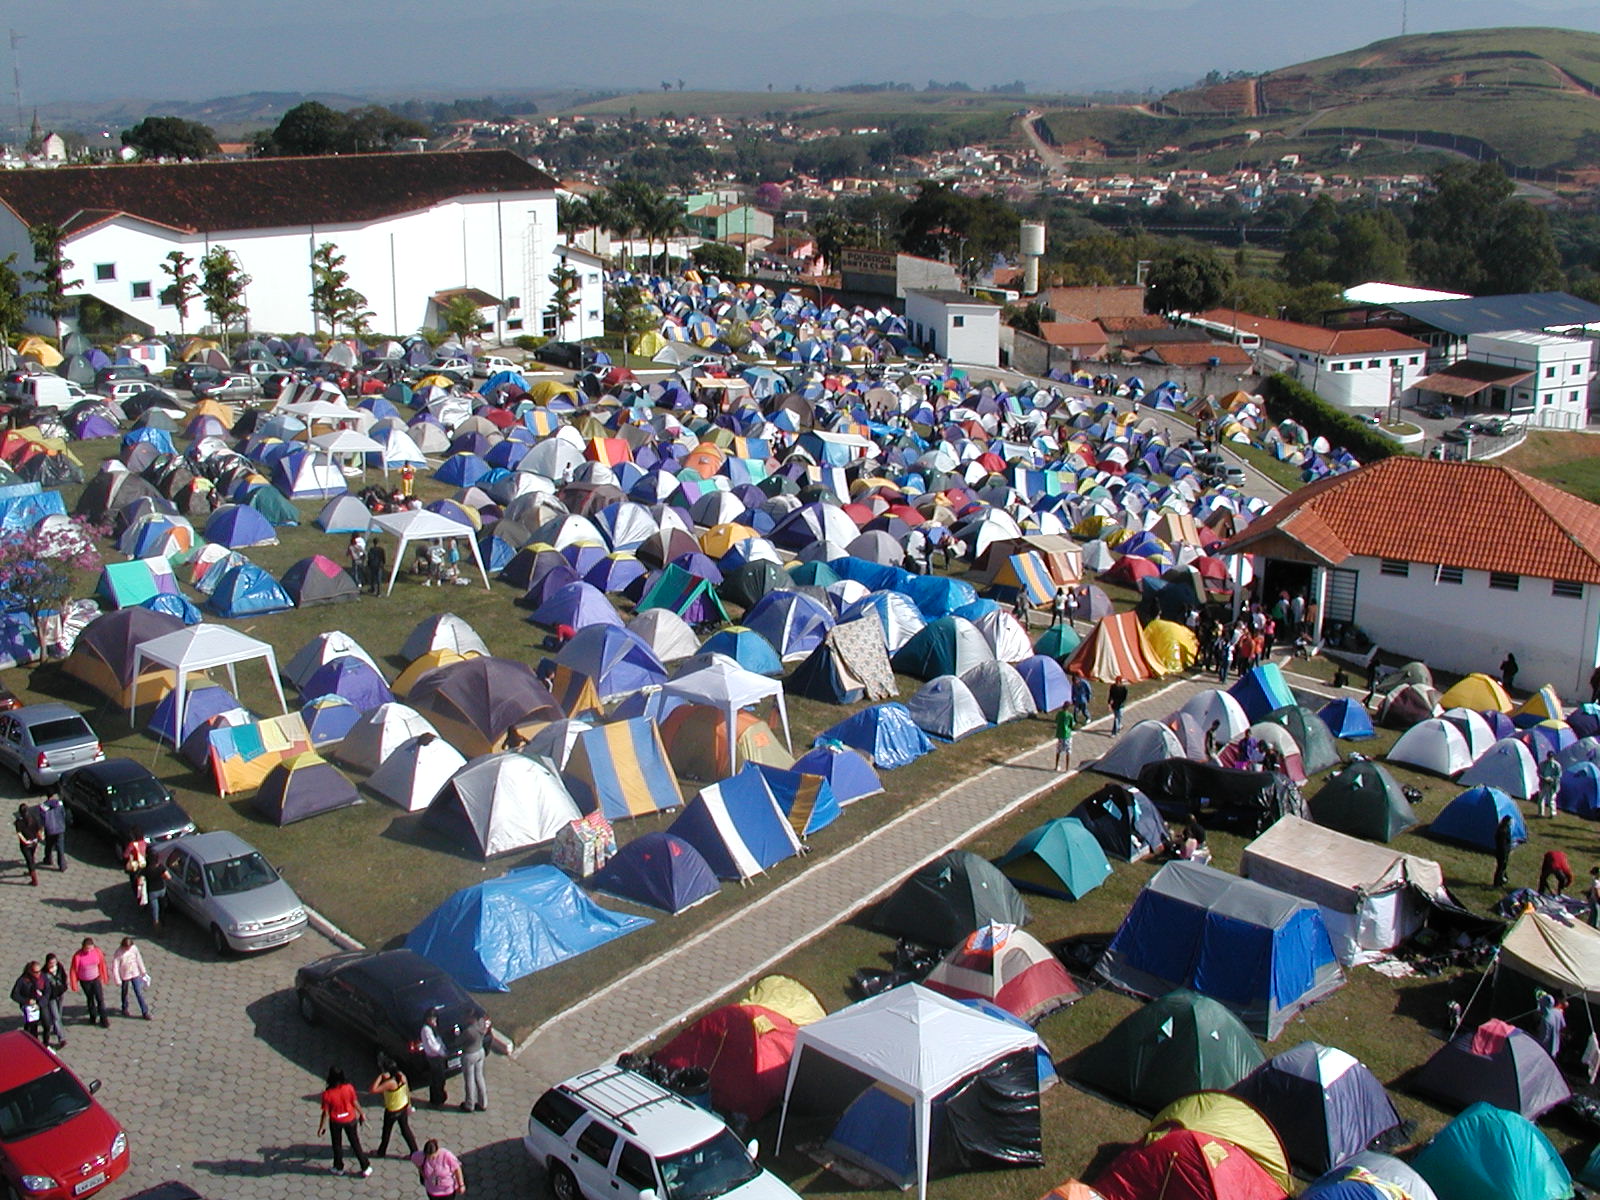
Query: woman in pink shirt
{"points": [[440, 1171], [88, 973]]}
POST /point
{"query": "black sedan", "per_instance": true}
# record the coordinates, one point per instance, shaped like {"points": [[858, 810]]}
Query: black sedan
{"points": [[117, 795], [383, 997]]}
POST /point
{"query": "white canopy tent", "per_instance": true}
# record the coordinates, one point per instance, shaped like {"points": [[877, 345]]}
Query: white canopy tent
{"points": [[200, 648], [420, 525], [347, 444], [914, 1041], [728, 687]]}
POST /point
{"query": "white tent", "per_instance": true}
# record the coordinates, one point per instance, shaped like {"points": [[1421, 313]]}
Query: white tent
{"points": [[1507, 765], [324, 648], [200, 648], [379, 733], [666, 633], [443, 631], [504, 802], [1214, 704], [912, 1040], [1432, 745], [946, 708], [412, 776], [728, 687], [420, 525]]}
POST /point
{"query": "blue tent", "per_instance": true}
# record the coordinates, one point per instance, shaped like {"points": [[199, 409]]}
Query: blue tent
{"points": [[237, 526], [745, 646], [1059, 858], [938, 595], [659, 871], [496, 552], [807, 800], [885, 733], [1487, 1151], [1047, 682], [1261, 690], [351, 678], [793, 622], [1580, 790], [874, 576], [248, 591], [848, 773], [1347, 719], [1263, 953], [737, 826], [328, 718], [618, 660], [1471, 818], [173, 605], [201, 705], [578, 605], [461, 470], [492, 933]]}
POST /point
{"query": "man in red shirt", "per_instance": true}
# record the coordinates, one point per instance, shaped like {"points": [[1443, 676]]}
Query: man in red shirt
{"points": [[1555, 864]]}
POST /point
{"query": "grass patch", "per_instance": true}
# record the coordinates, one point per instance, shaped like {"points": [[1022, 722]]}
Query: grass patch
{"points": [[1569, 460]]}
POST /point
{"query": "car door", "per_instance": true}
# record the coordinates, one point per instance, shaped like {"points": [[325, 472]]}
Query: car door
{"points": [[11, 743], [186, 887], [593, 1150], [635, 1172]]}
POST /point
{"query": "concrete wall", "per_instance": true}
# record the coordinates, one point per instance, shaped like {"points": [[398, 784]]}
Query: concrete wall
{"points": [[975, 340], [1034, 356]]}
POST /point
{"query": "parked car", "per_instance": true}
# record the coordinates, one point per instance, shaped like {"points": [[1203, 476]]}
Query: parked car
{"points": [[119, 390], [565, 354], [615, 1133], [134, 371], [8, 699], [42, 742], [235, 385], [273, 385], [1232, 474], [383, 998], [117, 796], [1464, 431], [56, 1140], [222, 883], [186, 375], [1438, 410], [492, 364], [456, 366]]}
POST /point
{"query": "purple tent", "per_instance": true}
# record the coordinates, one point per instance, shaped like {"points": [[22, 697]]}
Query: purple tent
{"points": [[351, 678], [578, 605]]}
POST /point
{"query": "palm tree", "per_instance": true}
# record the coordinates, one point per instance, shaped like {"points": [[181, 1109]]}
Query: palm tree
{"points": [[460, 316], [573, 215], [662, 219]]}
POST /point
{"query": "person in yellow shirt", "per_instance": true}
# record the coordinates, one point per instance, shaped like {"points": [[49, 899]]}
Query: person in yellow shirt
{"points": [[393, 1086]]}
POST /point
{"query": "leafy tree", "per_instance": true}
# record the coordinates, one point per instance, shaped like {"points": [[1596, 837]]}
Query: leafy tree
{"points": [[183, 287], [49, 276], [1472, 234], [1026, 317], [13, 305], [718, 258], [628, 313], [171, 137], [460, 316], [332, 298], [1313, 244], [563, 306], [374, 128], [944, 223], [40, 565], [1346, 246], [309, 128], [1187, 279], [222, 287], [1520, 253], [573, 215], [662, 218], [834, 233]]}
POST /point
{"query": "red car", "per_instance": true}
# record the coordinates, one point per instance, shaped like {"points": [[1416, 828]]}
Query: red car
{"points": [[56, 1141]]}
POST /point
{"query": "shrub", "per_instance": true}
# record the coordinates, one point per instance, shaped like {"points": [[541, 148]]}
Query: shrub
{"points": [[1289, 398], [528, 342]]}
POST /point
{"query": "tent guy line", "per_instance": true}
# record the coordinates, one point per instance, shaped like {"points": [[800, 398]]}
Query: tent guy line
{"points": [[856, 903]]}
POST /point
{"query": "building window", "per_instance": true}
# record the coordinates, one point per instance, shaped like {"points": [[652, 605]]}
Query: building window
{"points": [[141, 291], [1449, 575], [1572, 396], [593, 278], [1549, 372], [1412, 360], [514, 323], [1338, 366], [104, 272], [513, 303], [1394, 566], [1567, 589], [958, 322], [1577, 368], [594, 314], [1374, 362], [552, 327], [1504, 581]]}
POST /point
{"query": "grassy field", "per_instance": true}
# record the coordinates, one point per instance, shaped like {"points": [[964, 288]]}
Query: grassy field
{"points": [[810, 108], [1568, 460]]}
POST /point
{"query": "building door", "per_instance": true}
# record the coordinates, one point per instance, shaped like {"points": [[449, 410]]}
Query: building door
{"points": [[1497, 399], [1341, 603]]}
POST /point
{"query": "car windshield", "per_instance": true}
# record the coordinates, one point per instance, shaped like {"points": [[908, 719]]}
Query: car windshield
{"points": [[242, 874], [62, 729], [712, 1168], [41, 1104], [133, 794]]}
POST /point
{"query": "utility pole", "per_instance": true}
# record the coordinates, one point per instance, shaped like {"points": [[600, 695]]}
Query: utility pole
{"points": [[16, 77], [1405, 16]]}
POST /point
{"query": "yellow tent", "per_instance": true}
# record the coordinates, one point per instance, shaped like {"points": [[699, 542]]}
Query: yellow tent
{"points": [[719, 539], [40, 351], [1231, 1119], [211, 408], [1175, 645], [195, 347], [441, 657], [443, 381], [787, 997], [1478, 692], [648, 343], [547, 390], [1544, 704]]}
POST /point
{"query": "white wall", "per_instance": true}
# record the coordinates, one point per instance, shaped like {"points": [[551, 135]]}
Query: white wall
{"points": [[1557, 397], [1469, 626], [1350, 382], [975, 341], [503, 245], [588, 318]]}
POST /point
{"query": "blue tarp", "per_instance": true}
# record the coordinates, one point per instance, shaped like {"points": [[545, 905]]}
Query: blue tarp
{"points": [[1347, 719], [173, 605], [19, 512], [849, 774], [938, 595], [248, 591], [885, 733], [495, 932]]}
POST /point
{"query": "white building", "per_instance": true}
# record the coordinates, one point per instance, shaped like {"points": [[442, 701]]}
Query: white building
{"points": [[413, 228], [1541, 379], [955, 325], [1453, 563], [589, 304]]}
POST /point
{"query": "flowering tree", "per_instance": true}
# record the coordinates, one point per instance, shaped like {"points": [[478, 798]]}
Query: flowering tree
{"points": [[38, 566]]}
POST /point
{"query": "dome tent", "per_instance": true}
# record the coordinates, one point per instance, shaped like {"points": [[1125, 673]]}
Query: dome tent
{"points": [[1060, 858], [745, 1049], [1182, 1164], [1364, 801], [1008, 967], [1498, 1064], [657, 870], [1487, 1151], [302, 787], [413, 773], [948, 899], [1326, 1104], [1124, 821], [1144, 743], [1370, 1176], [1472, 816], [1175, 1045], [499, 803]]}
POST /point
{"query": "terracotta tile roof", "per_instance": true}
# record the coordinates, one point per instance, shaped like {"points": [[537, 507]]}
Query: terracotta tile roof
{"points": [[1072, 333], [1315, 338], [266, 193], [1092, 303], [1131, 324], [1478, 516], [1468, 378], [1197, 354]]}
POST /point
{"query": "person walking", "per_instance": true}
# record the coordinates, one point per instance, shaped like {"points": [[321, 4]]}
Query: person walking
{"points": [[1058, 607], [134, 857], [1116, 697], [28, 994], [30, 836], [1082, 694], [439, 1171], [434, 1052], [474, 1035], [395, 1089], [1065, 722], [377, 564], [1552, 1023], [1508, 671], [1549, 784], [128, 969], [56, 976], [88, 974], [1502, 851], [1372, 679], [53, 817], [156, 876], [1591, 897], [356, 552], [340, 1116]]}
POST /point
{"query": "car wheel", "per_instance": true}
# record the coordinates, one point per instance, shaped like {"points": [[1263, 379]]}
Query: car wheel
{"points": [[562, 1184], [308, 1010], [29, 786], [219, 942]]}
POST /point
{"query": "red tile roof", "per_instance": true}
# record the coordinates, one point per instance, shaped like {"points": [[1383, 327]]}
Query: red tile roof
{"points": [[1072, 333], [1196, 354], [1315, 338], [1468, 378], [1132, 324], [265, 193], [1478, 516]]}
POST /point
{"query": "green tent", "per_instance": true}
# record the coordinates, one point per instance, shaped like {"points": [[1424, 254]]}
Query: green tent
{"points": [[684, 593], [1364, 801], [1059, 642], [1488, 1151], [1060, 858], [274, 505], [1178, 1044], [1317, 749], [125, 584]]}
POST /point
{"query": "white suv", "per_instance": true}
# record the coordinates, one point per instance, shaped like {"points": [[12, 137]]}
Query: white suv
{"points": [[614, 1133]]}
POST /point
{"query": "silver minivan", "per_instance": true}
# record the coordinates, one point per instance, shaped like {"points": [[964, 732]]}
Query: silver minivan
{"points": [[223, 884], [42, 742]]}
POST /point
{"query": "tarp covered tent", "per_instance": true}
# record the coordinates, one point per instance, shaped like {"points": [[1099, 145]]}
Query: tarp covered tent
{"points": [[247, 590], [943, 901], [846, 770], [499, 803], [1005, 966], [1136, 748], [1540, 952], [1262, 952], [885, 733], [1364, 801], [744, 1049], [737, 827], [1324, 1103], [488, 935], [1124, 821], [851, 664], [1060, 858], [1261, 690], [412, 774], [1487, 1151], [622, 769], [1182, 1164], [1372, 899], [1249, 801], [1116, 648], [657, 870], [302, 787], [202, 648], [1472, 817], [1177, 1044], [240, 755], [1496, 1063], [919, 1085]]}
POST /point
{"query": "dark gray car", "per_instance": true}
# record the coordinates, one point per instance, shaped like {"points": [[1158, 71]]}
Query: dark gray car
{"points": [[221, 882], [118, 795], [42, 742]]}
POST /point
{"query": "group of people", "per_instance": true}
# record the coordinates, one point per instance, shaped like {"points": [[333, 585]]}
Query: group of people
{"points": [[42, 988], [369, 562], [41, 830]]}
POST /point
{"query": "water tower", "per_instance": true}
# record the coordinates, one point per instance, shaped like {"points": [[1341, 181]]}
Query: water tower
{"points": [[1032, 246]]}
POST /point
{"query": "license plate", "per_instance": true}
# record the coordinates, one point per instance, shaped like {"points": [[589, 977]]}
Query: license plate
{"points": [[455, 1063], [93, 1181]]}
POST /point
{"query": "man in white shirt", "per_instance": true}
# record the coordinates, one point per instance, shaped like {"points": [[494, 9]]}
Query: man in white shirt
{"points": [[434, 1050]]}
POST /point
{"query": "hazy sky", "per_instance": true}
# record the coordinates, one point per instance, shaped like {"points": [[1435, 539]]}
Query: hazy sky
{"points": [[193, 49]]}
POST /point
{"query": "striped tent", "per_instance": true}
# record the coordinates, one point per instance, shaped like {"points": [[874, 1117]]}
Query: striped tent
{"points": [[622, 769], [1027, 573], [1116, 647]]}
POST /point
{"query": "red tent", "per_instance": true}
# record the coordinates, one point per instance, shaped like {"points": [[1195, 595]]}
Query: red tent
{"points": [[745, 1048], [1185, 1165], [1116, 646], [1008, 967], [1128, 570]]}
